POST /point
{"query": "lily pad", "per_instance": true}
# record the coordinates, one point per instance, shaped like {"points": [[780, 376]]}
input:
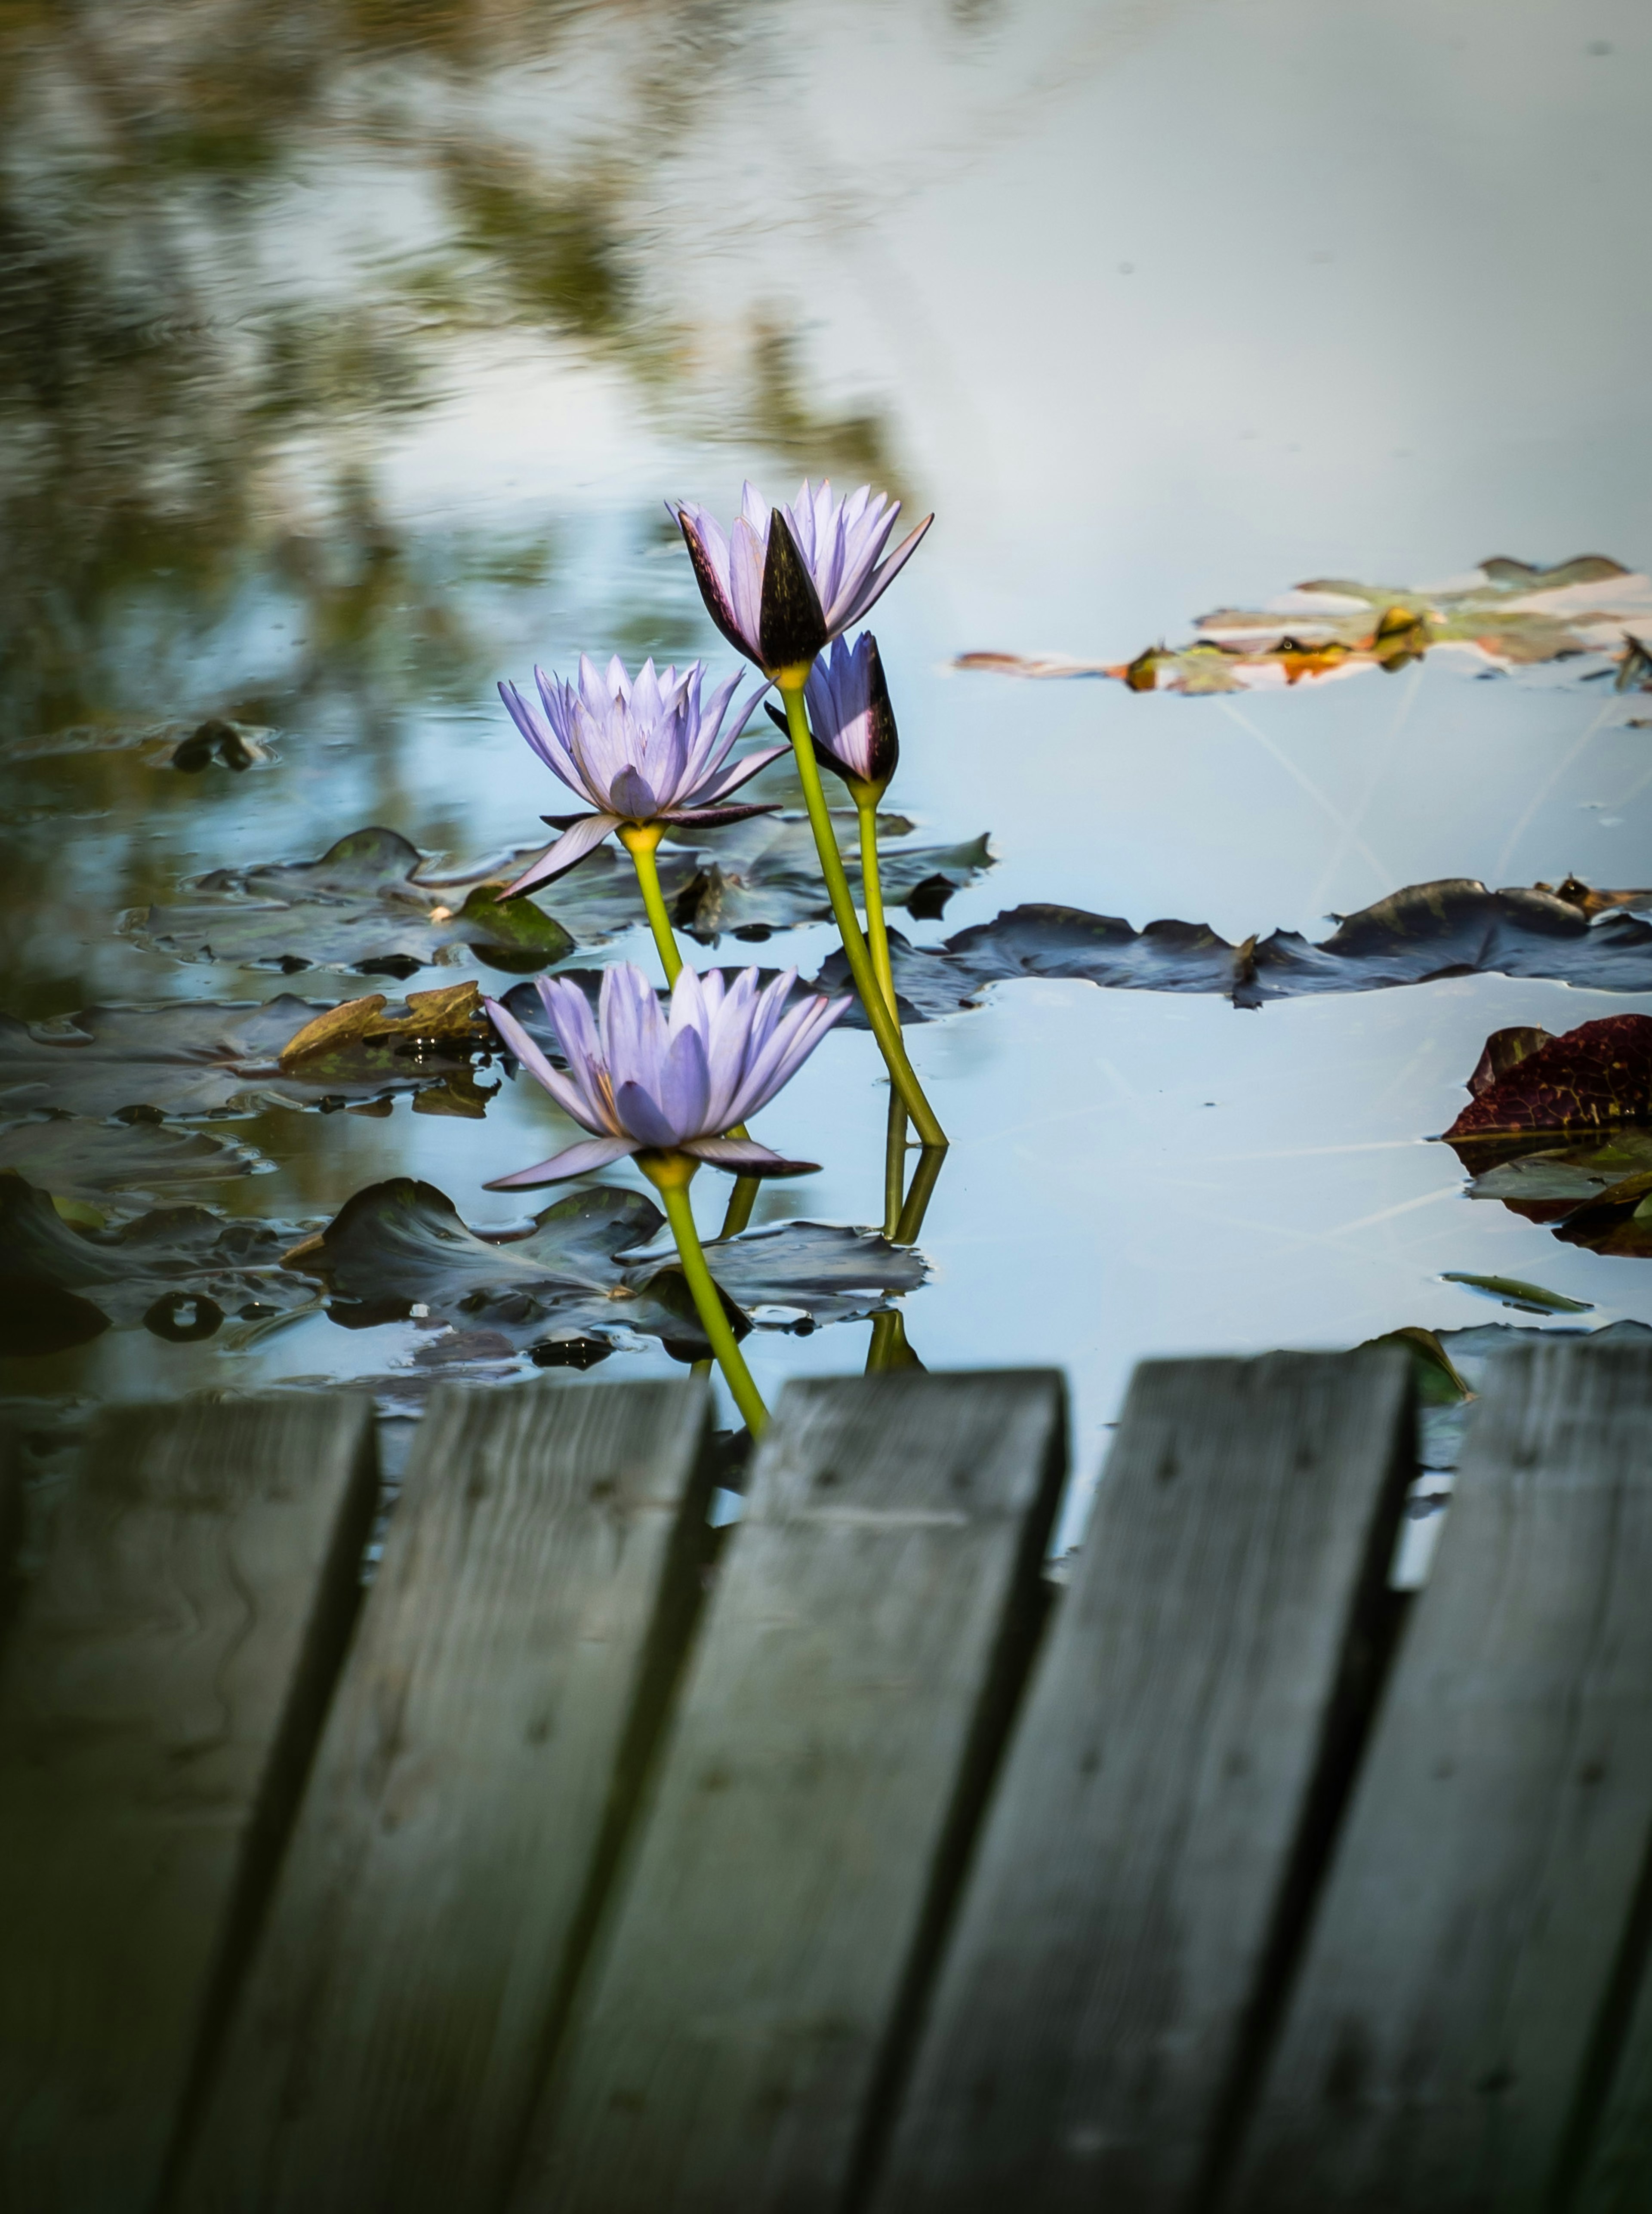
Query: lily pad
{"points": [[187, 746], [763, 874], [1591, 1088], [360, 906], [1549, 1185], [369, 905], [1454, 928], [180, 1271], [1589, 1082], [75, 1158], [183, 1059], [587, 1271], [1506, 613]]}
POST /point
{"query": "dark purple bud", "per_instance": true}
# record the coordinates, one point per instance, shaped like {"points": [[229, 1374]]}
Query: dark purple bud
{"points": [[792, 628], [885, 746]]}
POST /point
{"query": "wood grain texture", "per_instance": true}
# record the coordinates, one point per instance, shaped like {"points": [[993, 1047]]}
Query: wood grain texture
{"points": [[1440, 2034], [11, 1527], [1610, 2170], [159, 1699], [837, 1726], [395, 2023], [1150, 1845]]}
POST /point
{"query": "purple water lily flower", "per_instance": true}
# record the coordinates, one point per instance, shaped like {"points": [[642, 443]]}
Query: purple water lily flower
{"points": [[851, 718], [643, 1082], [642, 751], [785, 581]]}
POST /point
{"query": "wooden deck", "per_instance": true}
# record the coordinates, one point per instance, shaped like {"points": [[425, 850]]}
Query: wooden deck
{"points": [[594, 1861]]}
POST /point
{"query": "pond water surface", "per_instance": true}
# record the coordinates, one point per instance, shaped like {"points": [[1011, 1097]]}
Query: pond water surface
{"points": [[347, 354]]}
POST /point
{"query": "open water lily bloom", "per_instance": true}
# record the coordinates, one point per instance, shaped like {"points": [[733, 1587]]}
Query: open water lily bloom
{"points": [[642, 750], [785, 581], [643, 1081]]}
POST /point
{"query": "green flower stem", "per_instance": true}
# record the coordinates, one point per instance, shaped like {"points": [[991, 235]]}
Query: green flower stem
{"points": [[877, 934], [917, 1200], [894, 1162], [884, 1027], [640, 840], [889, 1347], [742, 1200], [671, 1174]]}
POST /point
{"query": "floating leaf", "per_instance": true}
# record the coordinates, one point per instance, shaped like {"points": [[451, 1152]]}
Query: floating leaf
{"points": [[1515, 1292], [185, 746], [74, 1158], [1506, 613], [369, 906], [1593, 1085], [1452, 928], [452, 1016], [1549, 1185], [1590, 1080], [1438, 1382], [583, 1272], [1619, 1223], [360, 906], [171, 1269], [187, 1058], [38, 1317]]}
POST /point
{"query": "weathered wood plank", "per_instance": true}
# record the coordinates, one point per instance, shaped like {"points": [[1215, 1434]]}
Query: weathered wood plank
{"points": [[1607, 2166], [838, 1723], [1438, 2040], [11, 1526], [1152, 1842], [159, 1700], [540, 1580]]}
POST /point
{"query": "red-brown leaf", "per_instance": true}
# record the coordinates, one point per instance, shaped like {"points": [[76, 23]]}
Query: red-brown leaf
{"points": [[1591, 1079]]}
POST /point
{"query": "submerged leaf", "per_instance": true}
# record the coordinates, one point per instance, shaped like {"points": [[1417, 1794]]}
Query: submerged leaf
{"points": [[187, 1058], [587, 1271], [1452, 928], [73, 1157], [140, 1272]]}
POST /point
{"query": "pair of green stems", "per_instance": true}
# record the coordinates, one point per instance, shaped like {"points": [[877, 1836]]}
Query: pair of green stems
{"points": [[874, 979]]}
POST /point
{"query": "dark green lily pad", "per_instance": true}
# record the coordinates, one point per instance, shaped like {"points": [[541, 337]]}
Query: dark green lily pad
{"points": [[358, 907], [173, 1270], [1455, 927], [763, 875], [367, 906], [589, 1270], [188, 1058], [75, 1158]]}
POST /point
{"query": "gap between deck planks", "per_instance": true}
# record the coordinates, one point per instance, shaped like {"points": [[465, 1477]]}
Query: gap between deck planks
{"points": [[160, 1693], [540, 1577], [839, 1722], [1445, 2027]]}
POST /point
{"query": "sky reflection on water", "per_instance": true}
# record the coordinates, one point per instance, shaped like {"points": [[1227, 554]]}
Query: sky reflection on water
{"points": [[349, 353]]}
